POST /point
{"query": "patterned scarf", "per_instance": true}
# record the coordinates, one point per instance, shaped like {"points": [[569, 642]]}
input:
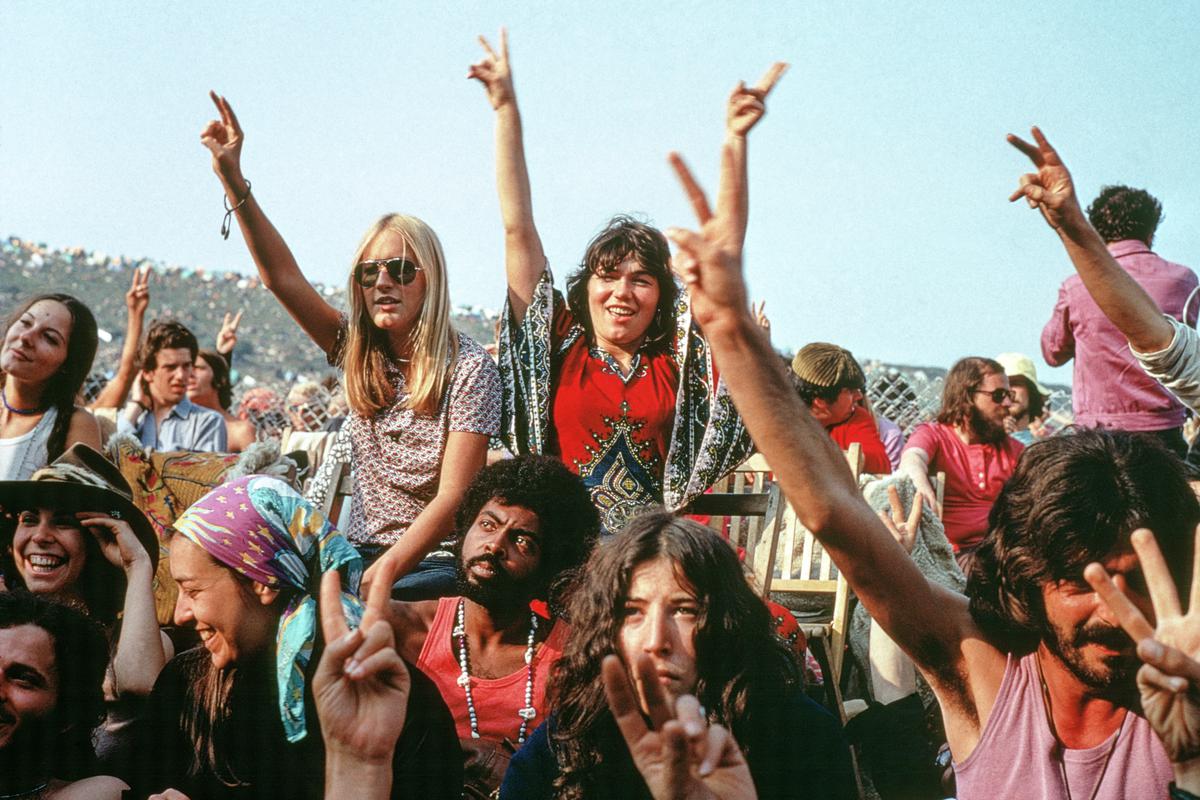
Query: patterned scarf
{"points": [[261, 528]]}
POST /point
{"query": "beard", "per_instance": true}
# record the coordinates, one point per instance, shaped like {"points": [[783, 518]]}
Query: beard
{"points": [[986, 430], [1111, 676], [28, 755], [499, 591]]}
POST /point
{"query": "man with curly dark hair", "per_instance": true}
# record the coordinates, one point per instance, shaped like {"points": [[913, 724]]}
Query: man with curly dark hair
{"points": [[524, 527], [1110, 391], [52, 663]]}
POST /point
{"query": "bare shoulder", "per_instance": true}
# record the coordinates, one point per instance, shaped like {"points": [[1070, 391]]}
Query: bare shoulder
{"points": [[83, 428], [100, 787], [412, 622]]}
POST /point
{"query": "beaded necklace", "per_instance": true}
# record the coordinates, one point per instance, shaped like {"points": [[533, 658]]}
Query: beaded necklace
{"points": [[526, 713], [25, 412]]}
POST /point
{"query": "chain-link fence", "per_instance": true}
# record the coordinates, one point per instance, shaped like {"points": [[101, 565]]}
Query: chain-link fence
{"points": [[909, 397]]}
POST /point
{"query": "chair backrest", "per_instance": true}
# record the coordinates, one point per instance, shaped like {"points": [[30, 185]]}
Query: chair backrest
{"points": [[813, 571], [341, 486], [744, 507], [939, 488]]}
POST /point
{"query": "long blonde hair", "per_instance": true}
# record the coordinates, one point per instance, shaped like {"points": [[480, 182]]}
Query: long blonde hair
{"points": [[435, 342]]}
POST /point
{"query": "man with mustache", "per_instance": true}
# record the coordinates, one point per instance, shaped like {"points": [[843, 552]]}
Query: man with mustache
{"points": [[160, 415], [1037, 694], [523, 528], [969, 443]]}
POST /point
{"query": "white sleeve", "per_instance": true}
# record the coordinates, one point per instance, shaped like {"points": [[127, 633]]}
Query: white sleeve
{"points": [[1177, 366]]}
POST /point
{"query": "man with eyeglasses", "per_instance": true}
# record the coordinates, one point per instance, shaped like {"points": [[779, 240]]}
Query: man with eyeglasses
{"points": [[969, 444]]}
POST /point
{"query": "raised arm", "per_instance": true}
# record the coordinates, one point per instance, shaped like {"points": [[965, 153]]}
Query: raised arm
{"points": [[930, 623], [137, 300], [524, 258], [276, 266], [1125, 303], [746, 106]]}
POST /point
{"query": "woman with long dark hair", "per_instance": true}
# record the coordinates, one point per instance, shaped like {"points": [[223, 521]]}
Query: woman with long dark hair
{"points": [[48, 346], [234, 718], [614, 379], [672, 589]]}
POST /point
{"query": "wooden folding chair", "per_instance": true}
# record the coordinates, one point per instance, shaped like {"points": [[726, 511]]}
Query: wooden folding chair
{"points": [[341, 486], [815, 574], [744, 507]]}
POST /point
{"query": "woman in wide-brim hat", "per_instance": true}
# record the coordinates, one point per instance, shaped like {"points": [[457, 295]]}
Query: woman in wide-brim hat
{"points": [[72, 532]]}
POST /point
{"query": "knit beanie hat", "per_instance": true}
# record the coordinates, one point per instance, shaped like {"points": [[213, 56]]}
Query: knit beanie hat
{"points": [[826, 365]]}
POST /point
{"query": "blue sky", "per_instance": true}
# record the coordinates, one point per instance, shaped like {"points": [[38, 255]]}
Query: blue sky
{"points": [[878, 179]]}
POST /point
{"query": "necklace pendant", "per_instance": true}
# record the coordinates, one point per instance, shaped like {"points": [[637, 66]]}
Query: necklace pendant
{"points": [[527, 713], [458, 631], [464, 680]]}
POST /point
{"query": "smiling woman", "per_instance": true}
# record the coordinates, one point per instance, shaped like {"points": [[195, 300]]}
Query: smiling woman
{"points": [[615, 380], [48, 345]]}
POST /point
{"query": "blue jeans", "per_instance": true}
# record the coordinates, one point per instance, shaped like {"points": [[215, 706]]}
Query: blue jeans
{"points": [[431, 579]]}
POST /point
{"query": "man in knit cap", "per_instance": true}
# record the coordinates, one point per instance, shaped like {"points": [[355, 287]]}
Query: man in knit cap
{"points": [[831, 383]]}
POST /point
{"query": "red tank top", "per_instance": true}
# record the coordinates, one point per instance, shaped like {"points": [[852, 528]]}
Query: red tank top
{"points": [[497, 700]]}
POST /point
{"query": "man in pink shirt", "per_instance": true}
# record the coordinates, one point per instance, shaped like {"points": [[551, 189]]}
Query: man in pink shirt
{"points": [[968, 442], [1110, 389]]}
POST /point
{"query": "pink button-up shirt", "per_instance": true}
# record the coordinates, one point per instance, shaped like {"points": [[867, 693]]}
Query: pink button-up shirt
{"points": [[1110, 388], [975, 474]]}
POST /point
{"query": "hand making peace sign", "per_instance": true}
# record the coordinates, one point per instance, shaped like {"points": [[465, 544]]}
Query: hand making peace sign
{"points": [[361, 685], [1169, 679], [227, 337], [680, 756], [748, 105], [224, 139], [494, 73], [1050, 189]]}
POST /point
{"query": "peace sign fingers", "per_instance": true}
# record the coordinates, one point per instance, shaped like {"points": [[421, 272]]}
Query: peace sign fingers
{"points": [[692, 189]]}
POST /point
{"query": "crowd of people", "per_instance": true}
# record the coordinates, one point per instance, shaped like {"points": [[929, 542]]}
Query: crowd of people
{"points": [[516, 602]]}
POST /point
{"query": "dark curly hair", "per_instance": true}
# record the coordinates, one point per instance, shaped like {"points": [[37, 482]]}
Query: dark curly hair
{"points": [[1037, 403], [64, 387], [740, 660], [624, 237], [166, 334], [1072, 500], [567, 518], [80, 658], [1121, 212]]}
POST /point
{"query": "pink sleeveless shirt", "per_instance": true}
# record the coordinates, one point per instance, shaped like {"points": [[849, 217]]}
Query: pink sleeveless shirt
{"points": [[1015, 755], [498, 700]]}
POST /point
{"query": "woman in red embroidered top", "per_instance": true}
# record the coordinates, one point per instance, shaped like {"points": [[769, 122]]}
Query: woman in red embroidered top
{"points": [[614, 380], [425, 399]]}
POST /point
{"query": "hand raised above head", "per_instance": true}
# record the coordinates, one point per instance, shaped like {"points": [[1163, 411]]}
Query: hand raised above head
{"points": [[1051, 189], [747, 105], [494, 72], [137, 298], [1169, 678], [223, 137], [709, 262], [227, 337], [118, 543]]}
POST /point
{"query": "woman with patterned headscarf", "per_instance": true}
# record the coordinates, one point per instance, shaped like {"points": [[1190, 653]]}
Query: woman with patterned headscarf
{"points": [[234, 718]]}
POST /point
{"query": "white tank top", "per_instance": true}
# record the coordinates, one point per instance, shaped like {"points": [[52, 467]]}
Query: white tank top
{"points": [[23, 455]]}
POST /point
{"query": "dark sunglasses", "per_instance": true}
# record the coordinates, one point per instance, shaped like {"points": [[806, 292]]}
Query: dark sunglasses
{"points": [[401, 270], [997, 395]]}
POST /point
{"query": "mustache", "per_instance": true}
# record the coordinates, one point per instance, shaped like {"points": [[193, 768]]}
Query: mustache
{"points": [[1105, 636], [491, 560]]}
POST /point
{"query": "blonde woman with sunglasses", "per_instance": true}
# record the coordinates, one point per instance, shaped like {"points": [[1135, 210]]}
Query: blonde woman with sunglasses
{"points": [[424, 398]]}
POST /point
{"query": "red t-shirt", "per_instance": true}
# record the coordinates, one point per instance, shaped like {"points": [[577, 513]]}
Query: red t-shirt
{"points": [[975, 474], [861, 428]]}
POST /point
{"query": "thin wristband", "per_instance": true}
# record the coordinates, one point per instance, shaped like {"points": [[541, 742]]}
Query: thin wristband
{"points": [[229, 211]]}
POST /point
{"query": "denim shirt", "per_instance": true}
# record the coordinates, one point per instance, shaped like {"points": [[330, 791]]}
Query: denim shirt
{"points": [[187, 427]]}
